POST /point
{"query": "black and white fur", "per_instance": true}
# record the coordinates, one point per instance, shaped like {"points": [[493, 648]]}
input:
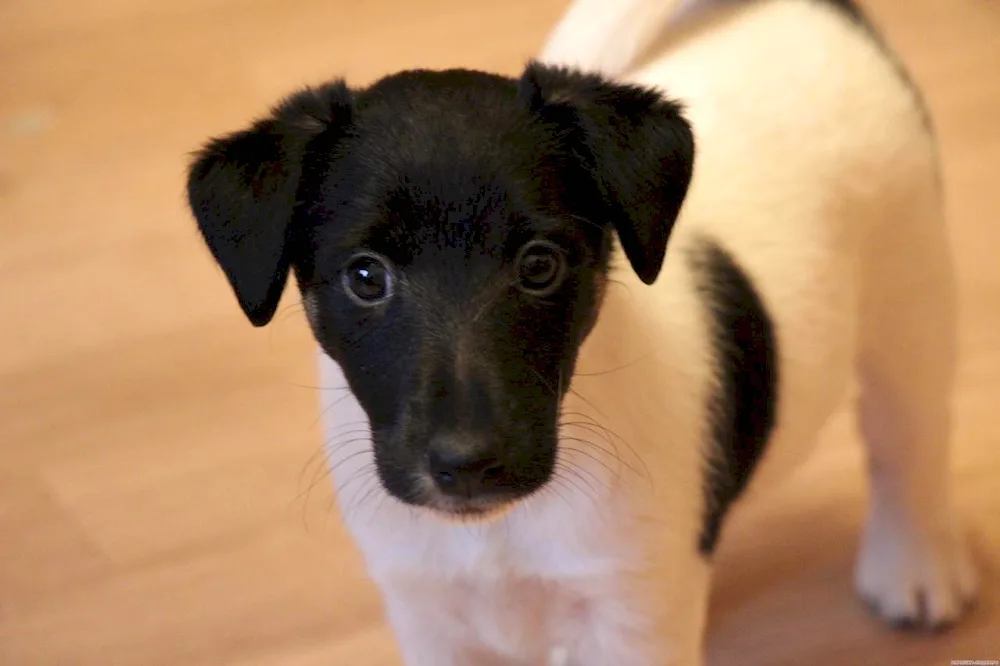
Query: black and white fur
{"points": [[579, 313]]}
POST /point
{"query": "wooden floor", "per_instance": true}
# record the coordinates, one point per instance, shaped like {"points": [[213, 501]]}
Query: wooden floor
{"points": [[161, 497]]}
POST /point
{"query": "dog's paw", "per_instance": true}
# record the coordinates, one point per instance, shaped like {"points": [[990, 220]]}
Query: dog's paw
{"points": [[915, 579]]}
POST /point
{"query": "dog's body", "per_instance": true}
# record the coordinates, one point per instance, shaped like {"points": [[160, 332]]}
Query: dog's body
{"points": [[810, 244], [828, 201]]}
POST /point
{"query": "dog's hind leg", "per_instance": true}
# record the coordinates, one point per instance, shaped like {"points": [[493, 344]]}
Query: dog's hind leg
{"points": [[913, 566]]}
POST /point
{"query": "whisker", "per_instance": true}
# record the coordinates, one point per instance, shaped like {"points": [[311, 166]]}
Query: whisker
{"points": [[316, 455], [544, 381], [319, 388], [378, 506], [333, 468], [369, 480], [323, 412], [580, 218], [318, 475], [372, 490], [595, 428], [361, 473], [287, 312], [586, 400], [608, 432], [610, 436], [617, 458], [572, 474], [350, 424], [553, 488], [616, 473], [334, 443], [608, 372]]}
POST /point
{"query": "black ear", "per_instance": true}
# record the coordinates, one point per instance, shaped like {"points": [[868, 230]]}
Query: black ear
{"points": [[242, 189], [636, 146]]}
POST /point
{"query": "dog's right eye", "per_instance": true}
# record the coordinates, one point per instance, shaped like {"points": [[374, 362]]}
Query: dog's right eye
{"points": [[541, 268], [367, 279]]}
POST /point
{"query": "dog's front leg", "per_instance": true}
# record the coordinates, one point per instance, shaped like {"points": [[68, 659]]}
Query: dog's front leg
{"points": [[657, 620]]}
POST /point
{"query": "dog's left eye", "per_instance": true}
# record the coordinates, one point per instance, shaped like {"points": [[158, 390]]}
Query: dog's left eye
{"points": [[541, 267], [367, 279]]}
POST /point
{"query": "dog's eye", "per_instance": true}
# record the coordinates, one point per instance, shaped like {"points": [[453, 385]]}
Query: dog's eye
{"points": [[541, 267], [367, 279]]}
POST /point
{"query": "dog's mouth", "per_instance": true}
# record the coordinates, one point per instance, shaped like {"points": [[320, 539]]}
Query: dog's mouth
{"points": [[479, 507], [465, 510]]}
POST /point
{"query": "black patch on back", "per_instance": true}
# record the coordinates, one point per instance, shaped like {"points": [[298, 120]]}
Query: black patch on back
{"points": [[742, 412], [853, 11]]}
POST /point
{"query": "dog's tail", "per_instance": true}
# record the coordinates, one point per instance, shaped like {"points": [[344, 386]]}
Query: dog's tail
{"points": [[609, 36]]}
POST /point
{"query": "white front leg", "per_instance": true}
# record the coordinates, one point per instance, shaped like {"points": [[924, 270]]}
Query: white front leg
{"points": [[661, 622]]}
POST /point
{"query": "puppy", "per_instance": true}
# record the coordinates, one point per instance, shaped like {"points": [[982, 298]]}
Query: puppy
{"points": [[578, 313]]}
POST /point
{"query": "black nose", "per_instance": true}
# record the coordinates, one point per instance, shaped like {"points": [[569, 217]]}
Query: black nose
{"points": [[464, 468]]}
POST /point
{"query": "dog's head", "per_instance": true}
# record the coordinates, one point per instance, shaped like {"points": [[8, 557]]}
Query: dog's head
{"points": [[450, 233]]}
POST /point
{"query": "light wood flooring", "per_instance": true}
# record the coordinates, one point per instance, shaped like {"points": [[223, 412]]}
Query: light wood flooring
{"points": [[161, 497]]}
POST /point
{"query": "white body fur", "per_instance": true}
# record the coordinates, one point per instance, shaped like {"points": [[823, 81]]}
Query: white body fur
{"points": [[824, 190]]}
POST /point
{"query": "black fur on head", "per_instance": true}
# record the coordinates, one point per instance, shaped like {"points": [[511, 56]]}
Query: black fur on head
{"points": [[450, 233]]}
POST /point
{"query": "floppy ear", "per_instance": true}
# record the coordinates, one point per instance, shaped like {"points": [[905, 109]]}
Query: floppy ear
{"points": [[242, 189], [636, 145]]}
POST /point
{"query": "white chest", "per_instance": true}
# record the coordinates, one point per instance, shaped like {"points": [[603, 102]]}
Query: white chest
{"points": [[501, 601]]}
